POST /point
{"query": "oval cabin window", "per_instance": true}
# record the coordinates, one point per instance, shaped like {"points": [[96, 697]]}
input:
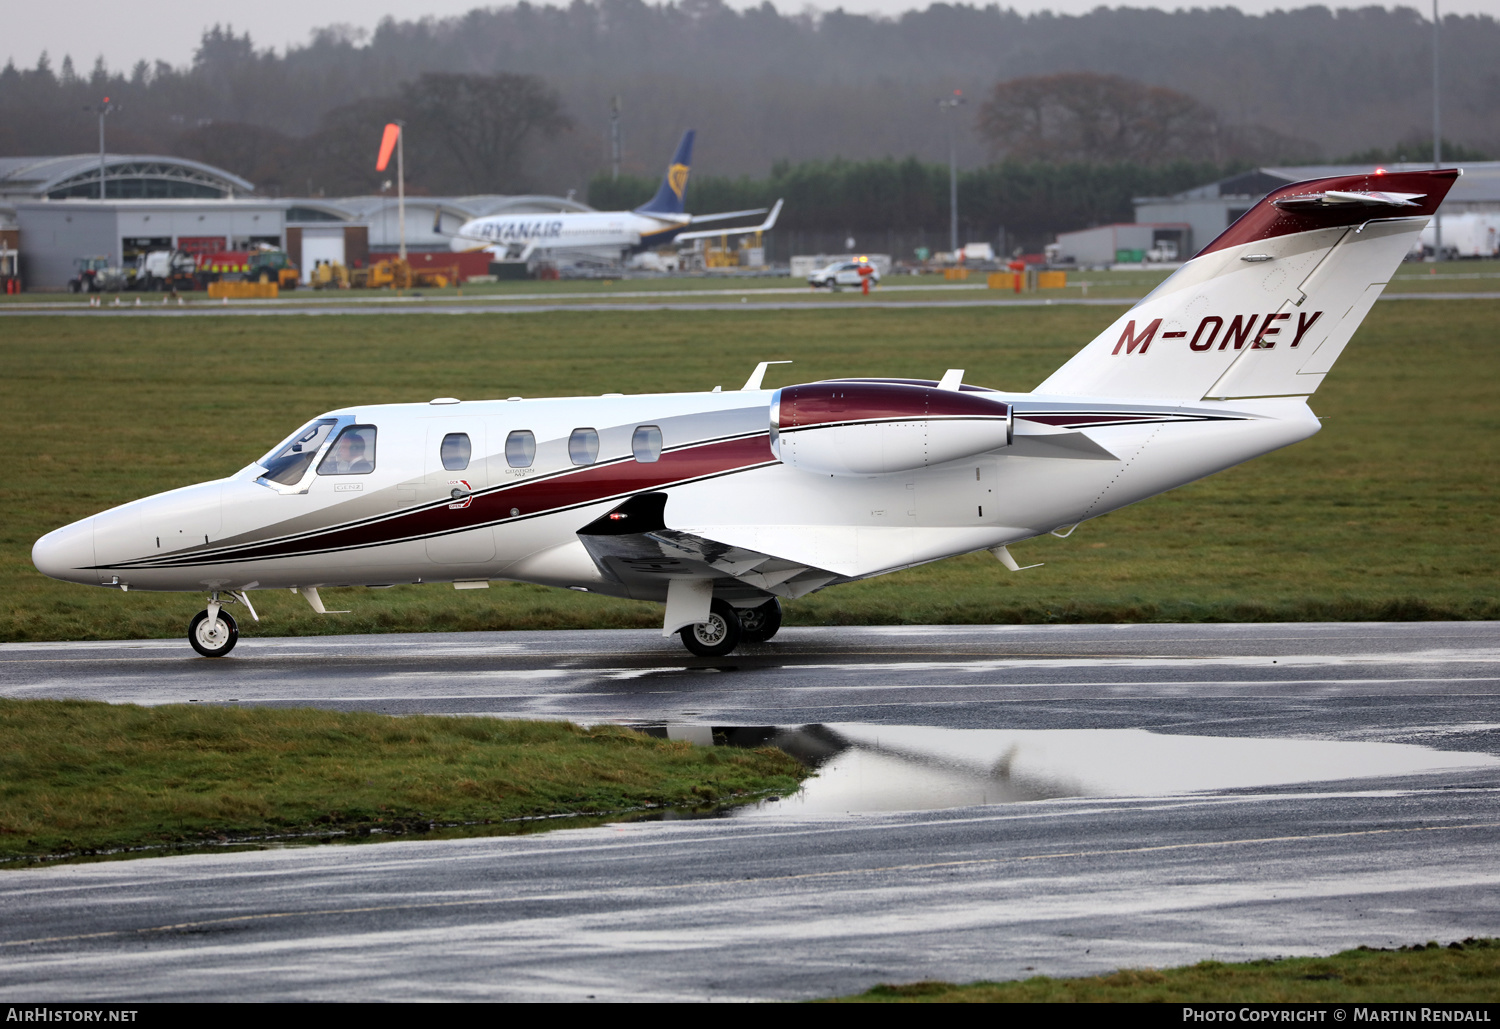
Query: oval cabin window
{"points": [[583, 446], [520, 448], [646, 444], [456, 451]]}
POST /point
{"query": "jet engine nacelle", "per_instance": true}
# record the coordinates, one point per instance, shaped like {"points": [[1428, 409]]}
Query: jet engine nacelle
{"points": [[871, 428]]}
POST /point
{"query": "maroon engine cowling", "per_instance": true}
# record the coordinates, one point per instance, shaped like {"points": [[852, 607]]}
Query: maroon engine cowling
{"points": [[856, 427]]}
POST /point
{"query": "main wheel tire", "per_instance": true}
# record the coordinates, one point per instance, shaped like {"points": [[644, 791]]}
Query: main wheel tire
{"points": [[715, 637], [759, 624], [214, 640]]}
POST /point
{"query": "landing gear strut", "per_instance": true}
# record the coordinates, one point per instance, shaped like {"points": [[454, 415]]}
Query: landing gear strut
{"points": [[214, 632], [715, 637]]}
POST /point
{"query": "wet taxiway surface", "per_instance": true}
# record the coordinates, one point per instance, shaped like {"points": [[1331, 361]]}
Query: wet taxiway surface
{"points": [[992, 802]]}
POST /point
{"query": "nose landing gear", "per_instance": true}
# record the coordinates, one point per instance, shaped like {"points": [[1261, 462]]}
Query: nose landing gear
{"points": [[213, 636], [214, 632]]}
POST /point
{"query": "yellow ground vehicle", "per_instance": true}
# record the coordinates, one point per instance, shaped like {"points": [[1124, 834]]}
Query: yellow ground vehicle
{"points": [[387, 274], [328, 275]]}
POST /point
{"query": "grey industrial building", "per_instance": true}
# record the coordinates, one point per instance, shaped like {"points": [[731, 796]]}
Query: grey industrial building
{"points": [[50, 212], [1208, 210]]}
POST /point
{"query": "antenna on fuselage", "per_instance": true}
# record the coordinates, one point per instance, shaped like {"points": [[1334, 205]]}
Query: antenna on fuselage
{"points": [[753, 383]]}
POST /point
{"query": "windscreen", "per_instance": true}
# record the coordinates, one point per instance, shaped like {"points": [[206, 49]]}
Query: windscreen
{"points": [[288, 464]]}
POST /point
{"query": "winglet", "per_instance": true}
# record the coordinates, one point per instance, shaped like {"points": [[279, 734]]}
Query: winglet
{"points": [[952, 379]]}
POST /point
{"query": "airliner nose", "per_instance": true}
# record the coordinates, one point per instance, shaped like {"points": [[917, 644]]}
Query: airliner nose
{"points": [[67, 553]]}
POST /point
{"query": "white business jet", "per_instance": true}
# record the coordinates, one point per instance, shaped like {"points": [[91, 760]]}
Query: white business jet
{"points": [[723, 504], [616, 233]]}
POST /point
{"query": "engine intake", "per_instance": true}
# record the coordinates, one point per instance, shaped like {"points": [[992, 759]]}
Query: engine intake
{"points": [[872, 428]]}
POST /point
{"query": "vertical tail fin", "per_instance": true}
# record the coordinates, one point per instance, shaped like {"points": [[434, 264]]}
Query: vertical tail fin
{"points": [[669, 198], [1266, 308]]}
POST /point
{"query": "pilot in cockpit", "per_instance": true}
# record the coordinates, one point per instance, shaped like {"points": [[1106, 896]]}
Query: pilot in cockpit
{"points": [[349, 456]]}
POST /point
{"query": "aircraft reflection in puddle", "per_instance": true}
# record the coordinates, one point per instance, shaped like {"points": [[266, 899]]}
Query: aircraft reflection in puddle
{"points": [[916, 768]]}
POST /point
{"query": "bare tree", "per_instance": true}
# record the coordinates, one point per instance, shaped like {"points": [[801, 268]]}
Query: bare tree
{"points": [[1080, 116], [485, 120]]}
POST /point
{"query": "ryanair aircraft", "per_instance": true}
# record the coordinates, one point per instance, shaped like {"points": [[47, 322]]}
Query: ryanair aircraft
{"points": [[618, 233]]}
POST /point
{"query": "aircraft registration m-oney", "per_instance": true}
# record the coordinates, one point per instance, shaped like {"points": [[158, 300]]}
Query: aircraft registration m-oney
{"points": [[661, 221], [721, 504]]}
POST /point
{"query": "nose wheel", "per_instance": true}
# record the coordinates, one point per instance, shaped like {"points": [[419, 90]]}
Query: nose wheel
{"points": [[715, 637], [213, 635]]}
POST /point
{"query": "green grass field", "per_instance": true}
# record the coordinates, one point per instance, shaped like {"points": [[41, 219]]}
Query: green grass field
{"points": [[1388, 513], [1460, 973], [80, 778]]}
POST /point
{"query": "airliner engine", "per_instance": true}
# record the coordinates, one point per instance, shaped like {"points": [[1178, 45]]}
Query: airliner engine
{"points": [[870, 427]]}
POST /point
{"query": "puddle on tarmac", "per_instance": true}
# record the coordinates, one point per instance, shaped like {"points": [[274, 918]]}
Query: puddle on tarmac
{"points": [[916, 768]]}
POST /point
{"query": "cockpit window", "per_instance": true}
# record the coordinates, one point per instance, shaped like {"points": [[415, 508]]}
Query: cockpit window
{"points": [[290, 463], [456, 451], [353, 453]]}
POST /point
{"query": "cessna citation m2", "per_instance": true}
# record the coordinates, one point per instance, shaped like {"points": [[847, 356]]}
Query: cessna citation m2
{"points": [[612, 233], [722, 504]]}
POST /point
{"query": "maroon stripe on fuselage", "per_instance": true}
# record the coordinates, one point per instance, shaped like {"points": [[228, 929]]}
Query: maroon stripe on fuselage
{"points": [[824, 403], [583, 486], [1265, 220]]}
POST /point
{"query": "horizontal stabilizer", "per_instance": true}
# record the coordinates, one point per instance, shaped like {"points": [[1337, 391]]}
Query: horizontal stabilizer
{"points": [[1347, 198], [738, 230]]}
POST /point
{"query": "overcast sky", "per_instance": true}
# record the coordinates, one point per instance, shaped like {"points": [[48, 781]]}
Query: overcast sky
{"points": [[168, 30]]}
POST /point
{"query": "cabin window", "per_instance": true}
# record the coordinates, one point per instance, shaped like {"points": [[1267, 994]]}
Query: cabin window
{"points": [[583, 446], [292, 461], [456, 451], [353, 453], [520, 448], [646, 444]]}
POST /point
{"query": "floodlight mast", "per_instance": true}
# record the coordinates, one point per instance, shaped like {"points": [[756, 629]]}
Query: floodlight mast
{"points": [[616, 146], [1437, 123], [101, 110], [951, 103]]}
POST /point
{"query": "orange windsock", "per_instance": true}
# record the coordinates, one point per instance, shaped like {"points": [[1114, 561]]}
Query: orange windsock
{"points": [[387, 144]]}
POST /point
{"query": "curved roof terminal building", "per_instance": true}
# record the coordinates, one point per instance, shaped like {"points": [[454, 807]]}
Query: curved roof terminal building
{"points": [[50, 210]]}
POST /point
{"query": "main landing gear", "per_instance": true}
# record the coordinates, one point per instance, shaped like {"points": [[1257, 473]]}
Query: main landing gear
{"points": [[728, 627], [214, 632]]}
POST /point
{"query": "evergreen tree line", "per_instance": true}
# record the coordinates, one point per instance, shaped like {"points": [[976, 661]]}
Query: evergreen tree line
{"points": [[760, 86], [1020, 203]]}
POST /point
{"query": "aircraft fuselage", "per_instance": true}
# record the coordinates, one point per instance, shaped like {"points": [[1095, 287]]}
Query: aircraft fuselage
{"points": [[503, 509]]}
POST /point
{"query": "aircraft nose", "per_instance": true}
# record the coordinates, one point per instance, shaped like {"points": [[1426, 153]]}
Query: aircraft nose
{"points": [[67, 553]]}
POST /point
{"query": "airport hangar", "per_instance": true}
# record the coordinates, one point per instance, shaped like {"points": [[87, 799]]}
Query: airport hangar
{"points": [[1191, 219], [51, 213]]}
